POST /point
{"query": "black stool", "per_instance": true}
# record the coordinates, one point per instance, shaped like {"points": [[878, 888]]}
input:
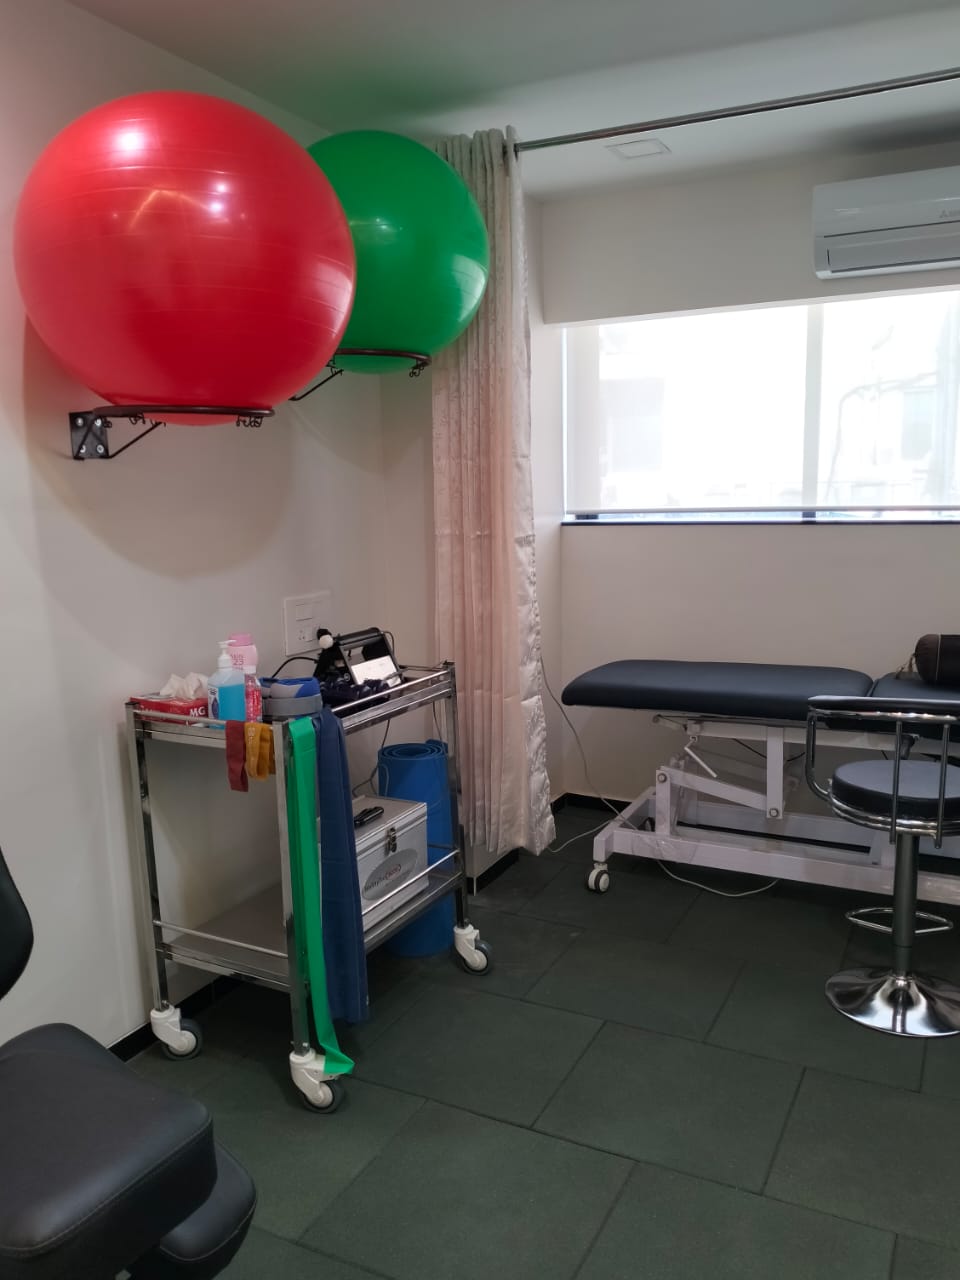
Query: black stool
{"points": [[101, 1171], [910, 798]]}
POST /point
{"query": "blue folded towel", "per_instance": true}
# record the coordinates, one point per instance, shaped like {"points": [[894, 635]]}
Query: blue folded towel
{"points": [[342, 915]]}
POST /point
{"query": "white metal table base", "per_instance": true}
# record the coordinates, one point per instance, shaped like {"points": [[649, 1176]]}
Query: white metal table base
{"points": [[692, 815]]}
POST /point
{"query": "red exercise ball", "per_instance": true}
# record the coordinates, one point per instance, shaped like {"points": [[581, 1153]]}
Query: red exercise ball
{"points": [[176, 249]]}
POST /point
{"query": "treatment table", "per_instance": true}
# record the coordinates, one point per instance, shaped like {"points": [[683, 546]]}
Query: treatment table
{"points": [[733, 814]]}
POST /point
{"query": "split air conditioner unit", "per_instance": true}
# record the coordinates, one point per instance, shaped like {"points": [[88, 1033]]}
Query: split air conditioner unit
{"points": [[876, 226]]}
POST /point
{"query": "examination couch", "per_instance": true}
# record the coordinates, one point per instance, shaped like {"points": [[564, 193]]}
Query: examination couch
{"points": [[707, 806]]}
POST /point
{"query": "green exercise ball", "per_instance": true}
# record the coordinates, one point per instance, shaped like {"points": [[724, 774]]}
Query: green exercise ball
{"points": [[422, 251]]}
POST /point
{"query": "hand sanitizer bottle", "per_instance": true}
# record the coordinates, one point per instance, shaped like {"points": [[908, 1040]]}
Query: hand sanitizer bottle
{"points": [[225, 689]]}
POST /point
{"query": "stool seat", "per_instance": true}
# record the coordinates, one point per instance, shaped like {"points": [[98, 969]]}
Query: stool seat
{"points": [[868, 785], [96, 1164]]}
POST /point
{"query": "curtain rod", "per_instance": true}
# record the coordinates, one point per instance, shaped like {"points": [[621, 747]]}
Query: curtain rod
{"points": [[745, 109]]}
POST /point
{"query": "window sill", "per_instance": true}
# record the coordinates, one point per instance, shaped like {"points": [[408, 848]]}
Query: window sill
{"points": [[950, 516]]}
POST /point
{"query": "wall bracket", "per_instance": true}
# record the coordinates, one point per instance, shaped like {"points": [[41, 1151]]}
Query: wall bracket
{"points": [[418, 362], [89, 428]]}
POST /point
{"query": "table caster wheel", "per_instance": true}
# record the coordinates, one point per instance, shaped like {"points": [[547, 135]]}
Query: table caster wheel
{"points": [[328, 1089], [191, 1030], [598, 881], [478, 961]]}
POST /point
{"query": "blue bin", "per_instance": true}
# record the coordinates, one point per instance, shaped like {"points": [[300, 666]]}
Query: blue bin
{"points": [[418, 771]]}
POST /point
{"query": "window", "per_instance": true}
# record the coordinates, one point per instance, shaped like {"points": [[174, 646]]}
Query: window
{"points": [[834, 410]]}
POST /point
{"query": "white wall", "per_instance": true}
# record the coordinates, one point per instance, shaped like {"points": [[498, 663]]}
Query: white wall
{"points": [[720, 240], [113, 575], [846, 596], [408, 548]]}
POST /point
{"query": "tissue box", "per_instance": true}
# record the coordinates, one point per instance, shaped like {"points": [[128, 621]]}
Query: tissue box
{"points": [[189, 708]]}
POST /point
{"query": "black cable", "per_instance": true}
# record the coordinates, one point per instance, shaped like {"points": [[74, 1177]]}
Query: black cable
{"points": [[369, 778], [763, 755], [297, 657]]}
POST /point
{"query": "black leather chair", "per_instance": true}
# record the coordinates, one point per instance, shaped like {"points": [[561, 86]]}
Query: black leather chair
{"points": [[908, 797], [101, 1171]]}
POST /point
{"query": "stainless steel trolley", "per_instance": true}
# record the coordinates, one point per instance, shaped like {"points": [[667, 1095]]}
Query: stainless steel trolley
{"points": [[255, 940]]}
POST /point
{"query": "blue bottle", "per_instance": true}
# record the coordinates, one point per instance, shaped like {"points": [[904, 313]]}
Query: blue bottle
{"points": [[226, 696]]}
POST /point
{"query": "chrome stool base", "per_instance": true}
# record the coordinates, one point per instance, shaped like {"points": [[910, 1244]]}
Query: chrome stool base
{"points": [[914, 1005]]}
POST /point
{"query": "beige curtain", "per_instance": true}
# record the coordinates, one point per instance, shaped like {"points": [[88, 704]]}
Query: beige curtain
{"points": [[487, 616]]}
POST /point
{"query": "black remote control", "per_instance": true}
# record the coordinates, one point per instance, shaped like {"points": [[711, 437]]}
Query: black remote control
{"points": [[367, 815]]}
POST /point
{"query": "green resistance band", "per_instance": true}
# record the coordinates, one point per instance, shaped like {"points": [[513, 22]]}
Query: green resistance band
{"points": [[305, 879]]}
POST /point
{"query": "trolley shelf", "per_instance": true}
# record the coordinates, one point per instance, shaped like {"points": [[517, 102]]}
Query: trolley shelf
{"points": [[421, 686], [246, 941], [249, 940]]}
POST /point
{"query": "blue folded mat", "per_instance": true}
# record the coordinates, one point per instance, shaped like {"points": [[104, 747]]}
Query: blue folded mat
{"points": [[418, 771]]}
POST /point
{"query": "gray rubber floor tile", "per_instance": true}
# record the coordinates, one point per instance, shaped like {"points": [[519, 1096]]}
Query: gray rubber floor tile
{"points": [[667, 1226], [783, 930], [386, 971], [937, 954], [638, 906], [518, 884], [673, 1102], [265, 1257], [300, 1160], [782, 1013], [185, 1075], [644, 984], [456, 1195], [873, 1154], [916, 1260], [385, 1009], [523, 949], [249, 1020], [501, 1057], [941, 1073]]}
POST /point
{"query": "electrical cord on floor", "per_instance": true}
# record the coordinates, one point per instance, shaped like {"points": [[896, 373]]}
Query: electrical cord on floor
{"points": [[722, 893], [581, 835]]}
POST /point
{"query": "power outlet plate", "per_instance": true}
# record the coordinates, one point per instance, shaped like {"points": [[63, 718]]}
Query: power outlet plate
{"points": [[302, 615]]}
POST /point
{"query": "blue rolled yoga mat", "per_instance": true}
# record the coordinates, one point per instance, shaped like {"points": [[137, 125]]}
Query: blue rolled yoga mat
{"points": [[418, 771]]}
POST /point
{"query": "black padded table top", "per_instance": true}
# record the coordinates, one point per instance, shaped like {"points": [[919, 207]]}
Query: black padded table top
{"points": [[909, 686], [741, 690]]}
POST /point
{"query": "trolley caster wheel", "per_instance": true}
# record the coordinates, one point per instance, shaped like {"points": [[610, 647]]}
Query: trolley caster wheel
{"points": [[330, 1089], [598, 881], [479, 960], [193, 1050]]}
